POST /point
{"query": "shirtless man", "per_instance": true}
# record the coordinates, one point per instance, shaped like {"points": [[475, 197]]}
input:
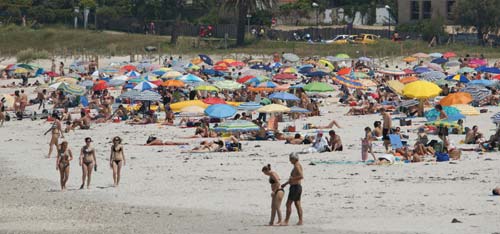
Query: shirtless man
{"points": [[386, 127], [295, 189], [335, 143]]}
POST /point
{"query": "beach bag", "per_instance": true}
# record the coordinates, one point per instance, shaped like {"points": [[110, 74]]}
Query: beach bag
{"points": [[442, 157]]}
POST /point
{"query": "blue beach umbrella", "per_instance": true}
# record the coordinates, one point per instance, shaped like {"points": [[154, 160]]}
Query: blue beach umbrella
{"points": [[249, 106], [433, 114], [261, 67], [236, 126], [145, 85], [459, 78], [284, 96], [482, 82], [420, 70], [316, 74], [220, 111], [206, 59], [439, 60]]}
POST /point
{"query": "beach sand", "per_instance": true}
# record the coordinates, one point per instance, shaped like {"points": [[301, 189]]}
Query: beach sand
{"points": [[166, 191]]}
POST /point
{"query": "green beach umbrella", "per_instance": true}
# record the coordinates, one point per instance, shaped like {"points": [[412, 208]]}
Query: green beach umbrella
{"points": [[318, 87], [73, 89], [228, 84], [342, 56]]}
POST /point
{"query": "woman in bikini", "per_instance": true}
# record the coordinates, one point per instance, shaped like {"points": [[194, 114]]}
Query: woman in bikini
{"points": [[117, 159], [87, 162], [56, 130], [64, 156], [277, 193]]}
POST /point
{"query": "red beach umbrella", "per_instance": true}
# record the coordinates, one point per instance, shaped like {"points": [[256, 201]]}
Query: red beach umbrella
{"points": [[214, 100]]}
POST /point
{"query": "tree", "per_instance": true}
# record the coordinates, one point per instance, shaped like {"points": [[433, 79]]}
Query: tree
{"points": [[243, 7], [482, 14]]}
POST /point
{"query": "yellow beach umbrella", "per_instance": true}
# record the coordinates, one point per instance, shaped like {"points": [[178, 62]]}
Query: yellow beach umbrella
{"points": [[273, 108], [421, 89], [466, 109], [21, 70], [367, 83], [68, 80], [206, 88], [193, 111], [176, 107], [326, 64], [396, 86], [171, 74]]}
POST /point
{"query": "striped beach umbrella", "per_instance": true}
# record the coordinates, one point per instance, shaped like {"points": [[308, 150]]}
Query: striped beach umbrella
{"points": [[466, 109], [250, 106], [465, 70], [132, 94], [443, 123], [458, 78], [283, 96], [496, 118], [145, 85], [116, 82], [148, 95], [478, 93], [73, 89], [432, 76], [189, 78], [236, 126]]}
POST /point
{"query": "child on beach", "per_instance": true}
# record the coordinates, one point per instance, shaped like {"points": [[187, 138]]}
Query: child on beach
{"points": [[366, 145]]}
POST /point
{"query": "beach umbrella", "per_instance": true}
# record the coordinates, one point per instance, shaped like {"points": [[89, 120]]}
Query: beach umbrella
{"points": [[57, 85], [408, 79], [453, 63], [344, 71], [220, 111], [465, 70], [41, 87], [318, 87], [249, 106], [449, 55], [100, 85], [190, 78], [129, 68], [496, 118], [435, 67], [216, 79], [212, 72], [433, 114], [132, 94], [410, 59], [191, 111], [73, 89], [396, 86], [171, 74], [420, 55], [206, 59], [443, 123], [485, 83], [459, 78], [51, 74], [214, 100], [228, 84], [220, 68], [273, 108], [236, 126], [466, 109], [342, 56], [209, 88], [421, 90], [265, 101], [365, 59], [408, 103], [478, 62], [291, 57], [133, 74], [68, 80], [394, 72], [435, 55], [432, 76], [173, 83], [87, 84], [348, 82], [21, 70], [148, 95], [316, 74], [145, 85], [493, 70], [439, 61], [289, 70], [115, 82], [326, 64], [267, 84], [110, 70], [296, 109], [245, 79], [420, 70], [136, 80], [497, 77], [456, 98], [285, 76], [283, 96], [478, 93], [367, 83], [261, 67]]}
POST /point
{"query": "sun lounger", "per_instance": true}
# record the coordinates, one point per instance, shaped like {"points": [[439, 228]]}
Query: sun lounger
{"points": [[396, 142]]}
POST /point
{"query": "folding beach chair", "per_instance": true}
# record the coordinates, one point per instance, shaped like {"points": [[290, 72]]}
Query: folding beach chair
{"points": [[396, 142]]}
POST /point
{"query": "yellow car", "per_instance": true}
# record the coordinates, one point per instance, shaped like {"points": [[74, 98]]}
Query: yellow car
{"points": [[341, 40], [366, 39]]}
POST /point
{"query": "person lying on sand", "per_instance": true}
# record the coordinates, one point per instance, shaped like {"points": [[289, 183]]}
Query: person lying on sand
{"points": [[330, 125], [207, 146], [155, 141], [496, 191]]}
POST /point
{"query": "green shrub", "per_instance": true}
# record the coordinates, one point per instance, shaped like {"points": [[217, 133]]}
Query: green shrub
{"points": [[28, 55], [428, 28]]}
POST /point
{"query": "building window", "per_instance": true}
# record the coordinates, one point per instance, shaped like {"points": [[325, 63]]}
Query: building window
{"points": [[449, 9], [415, 10], [427, 10]]}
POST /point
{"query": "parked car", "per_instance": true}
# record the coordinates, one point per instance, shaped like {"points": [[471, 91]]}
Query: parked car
{"points": [[366, 39], [341, 39]]}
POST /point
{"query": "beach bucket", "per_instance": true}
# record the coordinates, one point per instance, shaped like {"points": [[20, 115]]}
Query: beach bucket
{"points": [[442, 157], [116, 120], [291, 128], [50, 119]]}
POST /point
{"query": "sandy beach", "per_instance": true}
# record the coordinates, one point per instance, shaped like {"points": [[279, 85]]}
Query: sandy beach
{"points": [[166, 191]]}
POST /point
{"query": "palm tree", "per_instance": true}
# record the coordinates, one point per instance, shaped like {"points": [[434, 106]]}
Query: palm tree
{"points": [[243, 7]]}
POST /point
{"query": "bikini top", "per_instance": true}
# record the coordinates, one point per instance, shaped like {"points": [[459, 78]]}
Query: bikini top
{"points": [[63, 154], [86, 150], [115, 150]]}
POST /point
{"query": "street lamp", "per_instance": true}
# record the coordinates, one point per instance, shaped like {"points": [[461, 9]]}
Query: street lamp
{"points": [[388, 8], [248, 22], [316, 5]]}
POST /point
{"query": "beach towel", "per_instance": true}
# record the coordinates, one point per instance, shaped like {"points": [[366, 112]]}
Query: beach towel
{"points": [[342, 162], [396, 142]]}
